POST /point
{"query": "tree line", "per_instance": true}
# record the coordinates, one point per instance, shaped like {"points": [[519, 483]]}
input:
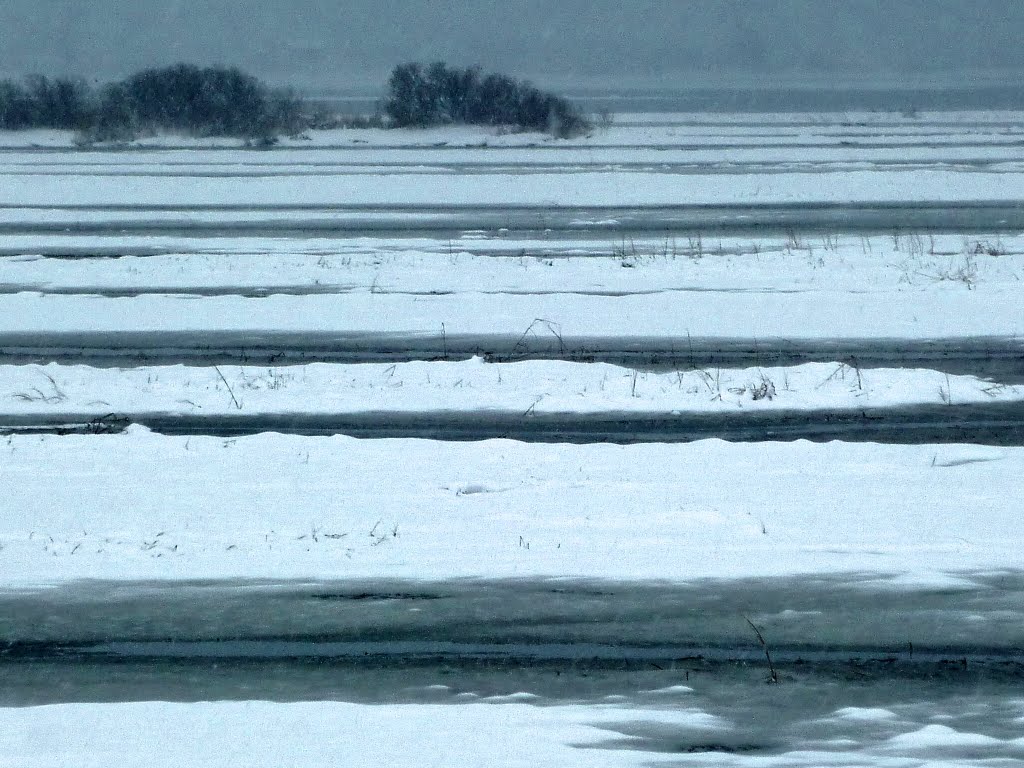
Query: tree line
{"points": [[211, 101], [220, 101]]}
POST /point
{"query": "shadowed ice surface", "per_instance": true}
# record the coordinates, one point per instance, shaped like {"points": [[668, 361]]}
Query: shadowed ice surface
{"points": [[867, 667]]}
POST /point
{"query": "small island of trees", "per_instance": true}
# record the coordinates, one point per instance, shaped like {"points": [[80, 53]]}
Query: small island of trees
{"points": [[421, 96]]}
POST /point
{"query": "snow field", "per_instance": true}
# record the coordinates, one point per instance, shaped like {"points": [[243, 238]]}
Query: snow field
{"points": [[280, 507], [326, 734], [554, 320], [538, 293], [508, 734], [140, 506]]}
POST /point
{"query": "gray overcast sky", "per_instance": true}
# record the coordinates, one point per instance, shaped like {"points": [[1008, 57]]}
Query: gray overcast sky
{"points": [[646, 43]]}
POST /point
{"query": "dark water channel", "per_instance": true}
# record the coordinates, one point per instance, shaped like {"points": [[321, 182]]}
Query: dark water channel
{"points": [[1000, 359], [999, 424], [559, 639]]}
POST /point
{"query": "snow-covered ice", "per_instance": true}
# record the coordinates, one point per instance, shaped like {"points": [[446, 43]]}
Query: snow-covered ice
{"points": [[482, 733], [563, 319], [901, 266], [139, 505], [152, 735]]}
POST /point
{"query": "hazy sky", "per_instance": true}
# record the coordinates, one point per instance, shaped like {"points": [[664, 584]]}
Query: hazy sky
{"points": [[648, 43]]}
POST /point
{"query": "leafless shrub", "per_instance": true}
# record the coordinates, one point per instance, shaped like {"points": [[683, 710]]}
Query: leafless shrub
{"points": [[522, 345], [765, 390], [231, 392], [37, 395], [841, 371], [695, 246], [963, 271], [986, 248], [713, 382], [773, 675], [946, 393]]}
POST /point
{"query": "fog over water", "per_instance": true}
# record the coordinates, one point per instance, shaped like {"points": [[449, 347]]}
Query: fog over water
{"points": [[574, 44]]}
